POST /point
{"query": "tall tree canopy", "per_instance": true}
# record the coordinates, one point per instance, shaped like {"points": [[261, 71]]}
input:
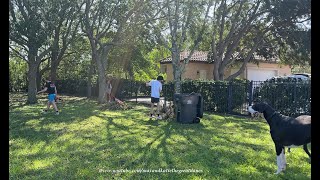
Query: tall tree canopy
{"points": [[180, 21], [242, 29], [29, 34], [105, 22], [127, 38]]}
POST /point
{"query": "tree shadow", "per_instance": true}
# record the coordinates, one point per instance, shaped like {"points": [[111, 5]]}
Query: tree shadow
{"points": [[128, 139]]}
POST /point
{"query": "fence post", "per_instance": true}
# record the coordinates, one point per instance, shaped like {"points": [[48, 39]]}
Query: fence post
{"points": [[137, 91], [295, 97], [131, 87], [250, 89], [229, 96], [164, 96]]}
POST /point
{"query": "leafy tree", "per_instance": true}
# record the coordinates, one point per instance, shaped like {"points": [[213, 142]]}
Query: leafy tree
{"points": [[135, 60], [178, 22], [29, 37], [104, 23], [65, 22], [242, 29], [296, 48], [17, 74]]}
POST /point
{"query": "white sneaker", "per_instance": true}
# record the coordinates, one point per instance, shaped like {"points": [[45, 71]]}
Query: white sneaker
{"points": [[57, 113], [159, 117], [152, 116]]}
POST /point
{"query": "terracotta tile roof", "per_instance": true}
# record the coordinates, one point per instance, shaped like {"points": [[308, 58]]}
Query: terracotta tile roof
{"points": [[260, 58], [201, 56], [198, 56]]}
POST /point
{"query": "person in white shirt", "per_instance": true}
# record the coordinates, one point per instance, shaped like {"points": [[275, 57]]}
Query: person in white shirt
{"points": [[156, 87]]}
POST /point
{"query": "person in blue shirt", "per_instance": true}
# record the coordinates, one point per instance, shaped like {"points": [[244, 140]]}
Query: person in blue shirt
{"points": [[52, 92], [156, 87]]}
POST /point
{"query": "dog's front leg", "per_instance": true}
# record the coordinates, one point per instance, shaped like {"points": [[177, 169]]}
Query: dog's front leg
{"points": [[284, 161], [281, 159]]}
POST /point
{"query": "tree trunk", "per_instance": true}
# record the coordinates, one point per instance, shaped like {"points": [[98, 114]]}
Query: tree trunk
{"points": [[241, 70], [101, 80], [38, 79], [176, 71], [53, 72], [221, 74], [177, 80], [102, 86], [216, 71], [177, 85], [40, 74], [89, 83], [32, 86]]}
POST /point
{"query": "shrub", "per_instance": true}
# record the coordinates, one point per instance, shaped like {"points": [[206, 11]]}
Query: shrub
{"points": [[219, 96], [124, 88], [289, 96], [121, 88], [72, 87]]}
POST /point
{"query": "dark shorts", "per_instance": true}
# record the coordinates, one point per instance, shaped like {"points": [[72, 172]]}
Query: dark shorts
{"points": [[154, 100]]}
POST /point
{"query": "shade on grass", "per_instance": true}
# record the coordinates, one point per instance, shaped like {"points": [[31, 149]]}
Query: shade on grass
{"points": [[84, 142]]}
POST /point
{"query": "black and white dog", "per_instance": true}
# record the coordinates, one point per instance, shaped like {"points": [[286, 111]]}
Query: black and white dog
{"points": [[285, 131]]}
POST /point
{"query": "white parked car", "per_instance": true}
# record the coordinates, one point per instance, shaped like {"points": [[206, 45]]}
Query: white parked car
{"points": [[302, 76], [295, 76]]}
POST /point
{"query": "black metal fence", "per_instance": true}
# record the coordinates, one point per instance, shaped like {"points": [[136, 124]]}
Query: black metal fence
{"points": [[289, 98], [121, 88], [221, 96], [231, 97]]}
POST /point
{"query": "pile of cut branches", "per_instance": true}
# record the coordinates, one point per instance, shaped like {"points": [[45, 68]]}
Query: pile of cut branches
{"points": [[114, 105]]}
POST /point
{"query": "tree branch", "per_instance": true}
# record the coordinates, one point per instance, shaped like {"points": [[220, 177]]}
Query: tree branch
{"points": [[184, 25], [234, 44], [246, 60], [22, 10], [42, 54], [197, 41], [18, 53], [136, 6], [18, 39], [233, 24]]}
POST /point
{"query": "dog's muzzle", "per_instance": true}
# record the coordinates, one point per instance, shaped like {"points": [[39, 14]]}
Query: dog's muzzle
{"points": [[252, 111]]}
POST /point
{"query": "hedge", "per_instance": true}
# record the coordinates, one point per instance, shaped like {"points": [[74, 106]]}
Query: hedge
{"points": [[289, 96], [219, 96]]}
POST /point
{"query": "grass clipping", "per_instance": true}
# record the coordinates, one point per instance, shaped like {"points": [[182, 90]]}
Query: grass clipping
{"points": [[113, 105]]}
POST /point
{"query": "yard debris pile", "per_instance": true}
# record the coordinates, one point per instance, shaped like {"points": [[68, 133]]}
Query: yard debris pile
{"points": [[168, 111], [114, 105]]}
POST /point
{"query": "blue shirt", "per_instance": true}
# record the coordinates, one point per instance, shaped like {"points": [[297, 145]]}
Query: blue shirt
{"points": [[156, 88]]}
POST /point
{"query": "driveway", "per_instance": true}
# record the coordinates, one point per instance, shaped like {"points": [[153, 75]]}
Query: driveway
{"points": [[144, 100]]}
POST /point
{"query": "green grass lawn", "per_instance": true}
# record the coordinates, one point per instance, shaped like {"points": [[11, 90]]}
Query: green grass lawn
{"points": [[85, 142]]}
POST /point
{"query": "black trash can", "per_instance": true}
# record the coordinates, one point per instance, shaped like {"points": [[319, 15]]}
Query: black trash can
{"points": [[188, 107], [200, 107]]}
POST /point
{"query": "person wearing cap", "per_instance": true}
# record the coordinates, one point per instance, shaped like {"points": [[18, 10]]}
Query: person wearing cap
{"points": [[156, 87]]}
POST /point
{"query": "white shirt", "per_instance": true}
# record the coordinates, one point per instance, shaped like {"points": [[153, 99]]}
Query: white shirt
{"points": [[156, 88]]}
